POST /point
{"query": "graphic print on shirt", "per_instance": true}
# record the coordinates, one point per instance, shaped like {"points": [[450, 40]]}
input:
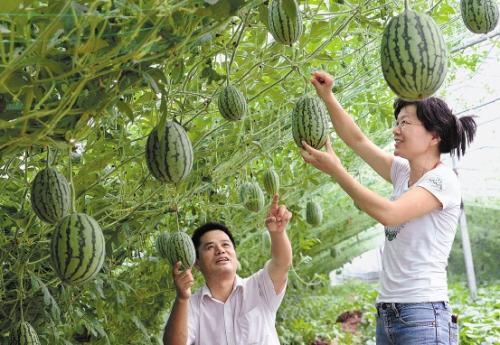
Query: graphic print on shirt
{"points": [[392, 231], [437, 183]]}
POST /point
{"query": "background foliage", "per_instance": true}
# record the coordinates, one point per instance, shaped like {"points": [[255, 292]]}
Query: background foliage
{"points": [[88, 80], [314, 317]]}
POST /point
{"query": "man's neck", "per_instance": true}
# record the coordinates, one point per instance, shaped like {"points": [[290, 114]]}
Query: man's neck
{"points": [[221, 287]]}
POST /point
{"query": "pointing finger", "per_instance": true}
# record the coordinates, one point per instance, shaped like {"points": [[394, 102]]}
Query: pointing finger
{"points": [[276, 199]]}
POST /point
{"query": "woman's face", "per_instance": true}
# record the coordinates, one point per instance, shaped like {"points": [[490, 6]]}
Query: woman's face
{"points": [[411, 139]]}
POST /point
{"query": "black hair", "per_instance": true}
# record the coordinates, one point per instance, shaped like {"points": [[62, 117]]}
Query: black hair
{"points": [[210, 226], [349, 314], [455, 133]]}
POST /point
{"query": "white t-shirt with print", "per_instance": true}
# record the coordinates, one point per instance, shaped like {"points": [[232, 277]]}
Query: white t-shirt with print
{"points": [[416, 253]]}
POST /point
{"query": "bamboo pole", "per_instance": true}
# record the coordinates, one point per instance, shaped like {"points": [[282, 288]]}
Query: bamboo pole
{"points": [[469, 264]]}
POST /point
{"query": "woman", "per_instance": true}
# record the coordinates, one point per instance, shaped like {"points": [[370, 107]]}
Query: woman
{"points": [[421, 217]]}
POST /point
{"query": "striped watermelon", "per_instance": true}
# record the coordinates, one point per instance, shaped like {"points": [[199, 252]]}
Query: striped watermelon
{"points": [[180, 247], [413, 55], [480, 16], [78, 248], [24, 334], [309, 122], [271, 182], [232, 104], [169, 158], [50, 195], [284, 21], [162, 243], [314, 215], [251, 196]]}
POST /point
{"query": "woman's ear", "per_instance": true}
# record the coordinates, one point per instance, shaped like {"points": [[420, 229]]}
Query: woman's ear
{"points": [[436, 139]]}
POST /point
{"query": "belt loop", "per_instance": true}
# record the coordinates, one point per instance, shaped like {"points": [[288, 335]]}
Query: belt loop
{"points": [[395, 309]]}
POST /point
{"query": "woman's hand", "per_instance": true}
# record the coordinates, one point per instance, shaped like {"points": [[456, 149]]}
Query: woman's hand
{"points": [[323, 83], [327, 162]]}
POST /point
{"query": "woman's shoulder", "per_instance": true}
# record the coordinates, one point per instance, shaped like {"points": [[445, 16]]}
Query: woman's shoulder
{"points": [[444, 172], [442, 181]]}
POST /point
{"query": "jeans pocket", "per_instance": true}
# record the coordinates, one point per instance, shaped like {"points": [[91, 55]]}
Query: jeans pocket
{"points": [[453, 332], [417, 317]]}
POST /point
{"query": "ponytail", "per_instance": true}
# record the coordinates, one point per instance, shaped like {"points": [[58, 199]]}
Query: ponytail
{"points": [[465, 131]]}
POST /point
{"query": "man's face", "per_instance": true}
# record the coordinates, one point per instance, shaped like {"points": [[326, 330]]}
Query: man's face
{"points": [[351, 324], [216, 254]]}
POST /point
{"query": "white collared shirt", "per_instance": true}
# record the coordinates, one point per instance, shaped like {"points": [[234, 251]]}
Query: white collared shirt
{"points": [[248, 316]]}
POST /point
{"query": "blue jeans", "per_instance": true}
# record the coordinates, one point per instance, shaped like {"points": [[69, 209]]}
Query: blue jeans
{"points": [[416, 324]]}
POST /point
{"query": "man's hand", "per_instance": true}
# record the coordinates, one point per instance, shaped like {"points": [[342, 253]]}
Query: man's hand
{"points": [[278, 216], [183, 281], [327, 162]]}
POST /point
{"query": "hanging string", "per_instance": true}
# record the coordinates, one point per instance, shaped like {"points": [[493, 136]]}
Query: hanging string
{"points": [[48, 156], [70, 170]]}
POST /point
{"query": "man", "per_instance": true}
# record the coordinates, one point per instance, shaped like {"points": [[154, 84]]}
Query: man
{"points": [[228, 309], [350, 320]]}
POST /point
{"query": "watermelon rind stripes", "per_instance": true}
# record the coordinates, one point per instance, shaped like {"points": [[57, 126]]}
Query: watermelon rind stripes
{"points": [[479, 16], [169, 159], [180, 247], [232, 103], [314, 214], [413, 55], [285, 29], [251, 196], [162, 244], [271, 182], [50, 195], [77, 248], [309, 122], [24, 334]]}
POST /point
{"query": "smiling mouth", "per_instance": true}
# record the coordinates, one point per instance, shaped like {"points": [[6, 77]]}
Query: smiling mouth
{"points": [[222, 260]]}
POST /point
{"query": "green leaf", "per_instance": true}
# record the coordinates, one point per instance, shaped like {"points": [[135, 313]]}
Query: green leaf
{"points": [[223, 8], [48, 299], [92, 45], [124, 108], [141, 326], [320, 29], [264, 15], [7, 6]]}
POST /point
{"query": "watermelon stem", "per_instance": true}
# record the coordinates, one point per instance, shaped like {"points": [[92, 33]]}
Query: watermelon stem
{"points": [[70, 170], [407, 7], [21, 292], [177, 216], [241, 29]]}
